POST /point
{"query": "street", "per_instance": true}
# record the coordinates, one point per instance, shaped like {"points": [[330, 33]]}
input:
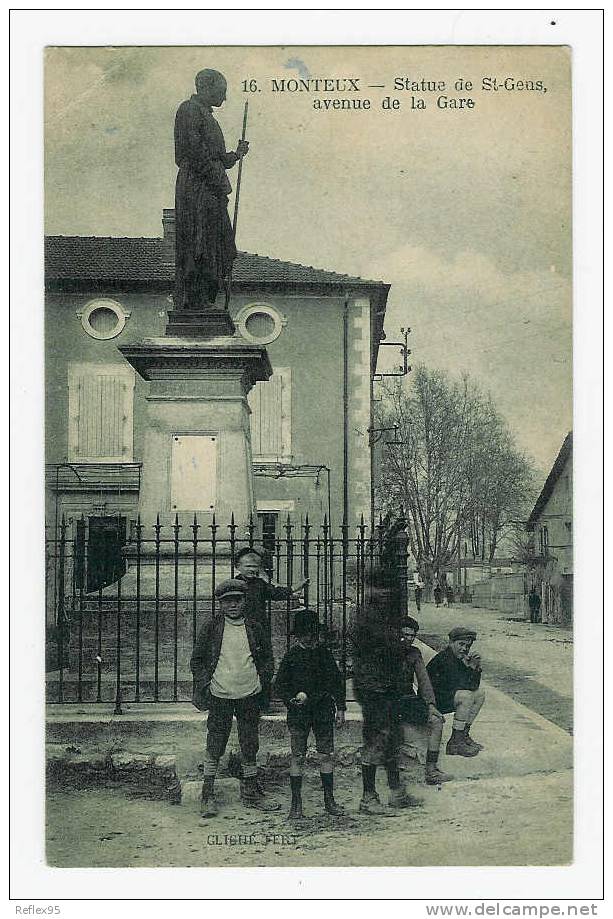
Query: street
{"points": [[511, 805]]}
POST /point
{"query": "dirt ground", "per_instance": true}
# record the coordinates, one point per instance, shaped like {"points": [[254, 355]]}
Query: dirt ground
{"points": [[493, 821], [511, 805]]}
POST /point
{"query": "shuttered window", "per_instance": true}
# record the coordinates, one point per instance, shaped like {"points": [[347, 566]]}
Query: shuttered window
{"points": [[271, 429], [100, 409]]}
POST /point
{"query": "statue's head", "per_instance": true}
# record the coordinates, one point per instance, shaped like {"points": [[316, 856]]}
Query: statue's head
{"points": [[211, 85]]}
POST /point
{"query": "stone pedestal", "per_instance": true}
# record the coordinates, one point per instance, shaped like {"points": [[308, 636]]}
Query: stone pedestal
{"points": [[197, 446], [198, 325]]}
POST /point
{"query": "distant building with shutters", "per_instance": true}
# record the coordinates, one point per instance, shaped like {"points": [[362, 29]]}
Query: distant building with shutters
{"points": [[551, 525], [105, 292]]}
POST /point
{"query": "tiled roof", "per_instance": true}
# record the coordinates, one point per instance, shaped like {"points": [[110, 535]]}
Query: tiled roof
{"points": [[80, 258], [556, 471]]}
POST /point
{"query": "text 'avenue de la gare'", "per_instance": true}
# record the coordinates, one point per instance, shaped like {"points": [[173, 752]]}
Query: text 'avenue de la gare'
{"points": [[339, 93]]}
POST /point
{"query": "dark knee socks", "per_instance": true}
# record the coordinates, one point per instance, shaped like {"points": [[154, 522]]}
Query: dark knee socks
{"points": [[296, 786], [327, 781], [368, 779], [393, 776]]}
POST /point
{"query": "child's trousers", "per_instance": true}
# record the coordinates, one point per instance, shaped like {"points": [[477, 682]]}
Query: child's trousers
{"points": [[219, 725]]}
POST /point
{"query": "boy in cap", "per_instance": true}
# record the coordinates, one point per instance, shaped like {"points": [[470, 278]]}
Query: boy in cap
{"points": [[455, 674], [420, 708], [248, 561], [312, 687], [232, 663]]}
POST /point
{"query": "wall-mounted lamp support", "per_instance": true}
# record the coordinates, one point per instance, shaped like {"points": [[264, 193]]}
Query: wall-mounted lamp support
{"points": [[404, 351]]}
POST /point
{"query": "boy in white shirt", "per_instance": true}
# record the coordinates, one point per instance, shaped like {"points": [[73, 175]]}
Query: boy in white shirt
{"points": [[232, 664]]}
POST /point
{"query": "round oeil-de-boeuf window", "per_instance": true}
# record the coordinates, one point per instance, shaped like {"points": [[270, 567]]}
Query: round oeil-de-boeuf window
{"points": [[103, 319], [260, 323]]}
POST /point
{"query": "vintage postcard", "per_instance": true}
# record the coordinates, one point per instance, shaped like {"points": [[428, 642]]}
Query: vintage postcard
{"points": [[309, 468]]}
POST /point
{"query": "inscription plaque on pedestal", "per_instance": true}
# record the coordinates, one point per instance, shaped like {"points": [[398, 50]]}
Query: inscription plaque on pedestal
{"points": [[193, 472]]}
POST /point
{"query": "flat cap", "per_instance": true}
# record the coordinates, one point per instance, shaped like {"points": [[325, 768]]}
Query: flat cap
{"points": [[460, 632], [231, 587], [305, 622]]}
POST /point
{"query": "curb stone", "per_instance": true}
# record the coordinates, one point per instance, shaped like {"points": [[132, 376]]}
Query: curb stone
{"points": [[153, 775]]}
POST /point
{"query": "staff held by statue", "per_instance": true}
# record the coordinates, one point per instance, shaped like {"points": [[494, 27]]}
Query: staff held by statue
{"points": [[236, 200]]}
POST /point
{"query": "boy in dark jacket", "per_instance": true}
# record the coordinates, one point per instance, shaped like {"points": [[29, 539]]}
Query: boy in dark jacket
{"points": [[248, 561], [379, 680], [232, 663], [455, 674], [312, 687]]}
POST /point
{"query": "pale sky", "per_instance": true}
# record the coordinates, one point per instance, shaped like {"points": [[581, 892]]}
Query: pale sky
{"points": [[465, 213]]}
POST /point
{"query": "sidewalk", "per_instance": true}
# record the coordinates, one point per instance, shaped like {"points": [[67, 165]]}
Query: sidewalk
{"points": [[510, 805]]}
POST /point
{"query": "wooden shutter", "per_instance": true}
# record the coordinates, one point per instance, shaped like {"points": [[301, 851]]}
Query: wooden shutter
{"points": [[270, 404], [100, 409]]}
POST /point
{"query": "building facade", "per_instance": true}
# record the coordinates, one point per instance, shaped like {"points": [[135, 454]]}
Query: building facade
{"points": [[551, 525], [309, 422]]}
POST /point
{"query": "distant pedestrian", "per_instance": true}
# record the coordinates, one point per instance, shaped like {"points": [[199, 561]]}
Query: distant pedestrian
{"points": [[455, 674], [438, 592], [232, 663], [534, 602], [419, 589], [449, 595], [312, 687]]}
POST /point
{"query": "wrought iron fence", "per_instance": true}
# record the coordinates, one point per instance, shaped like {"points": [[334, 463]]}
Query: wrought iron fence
{"points": [[123, 614]]}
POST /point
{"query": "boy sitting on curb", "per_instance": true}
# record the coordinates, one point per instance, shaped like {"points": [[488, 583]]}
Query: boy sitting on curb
{"points": [[455, 674], [312, 687]]}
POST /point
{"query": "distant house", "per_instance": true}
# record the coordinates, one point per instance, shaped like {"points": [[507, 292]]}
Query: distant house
{"points": [[551, 523], [322, 331]]}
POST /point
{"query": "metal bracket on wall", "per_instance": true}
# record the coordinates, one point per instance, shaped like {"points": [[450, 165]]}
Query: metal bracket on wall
{"points": [[404, 351]]}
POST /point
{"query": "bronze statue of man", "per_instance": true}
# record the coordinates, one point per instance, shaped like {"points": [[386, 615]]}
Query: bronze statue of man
{"points": [[204, 248]]}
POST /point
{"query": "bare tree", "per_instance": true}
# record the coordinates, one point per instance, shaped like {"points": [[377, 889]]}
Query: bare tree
{"points": [[456, 472]]}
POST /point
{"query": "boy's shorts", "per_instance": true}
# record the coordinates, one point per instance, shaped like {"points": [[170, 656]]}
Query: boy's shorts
{"points": [[301, 721], [411, 709], [324, 738]]}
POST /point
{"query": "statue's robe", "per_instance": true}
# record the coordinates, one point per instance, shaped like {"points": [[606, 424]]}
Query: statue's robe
{"points": [[205, 246]]}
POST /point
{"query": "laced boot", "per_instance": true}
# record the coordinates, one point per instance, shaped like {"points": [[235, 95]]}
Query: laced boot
{"points": [[371, 804], [252, 796], [468, 739], [457, 746], [332, 808], [435, 776], [400, 798]]}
